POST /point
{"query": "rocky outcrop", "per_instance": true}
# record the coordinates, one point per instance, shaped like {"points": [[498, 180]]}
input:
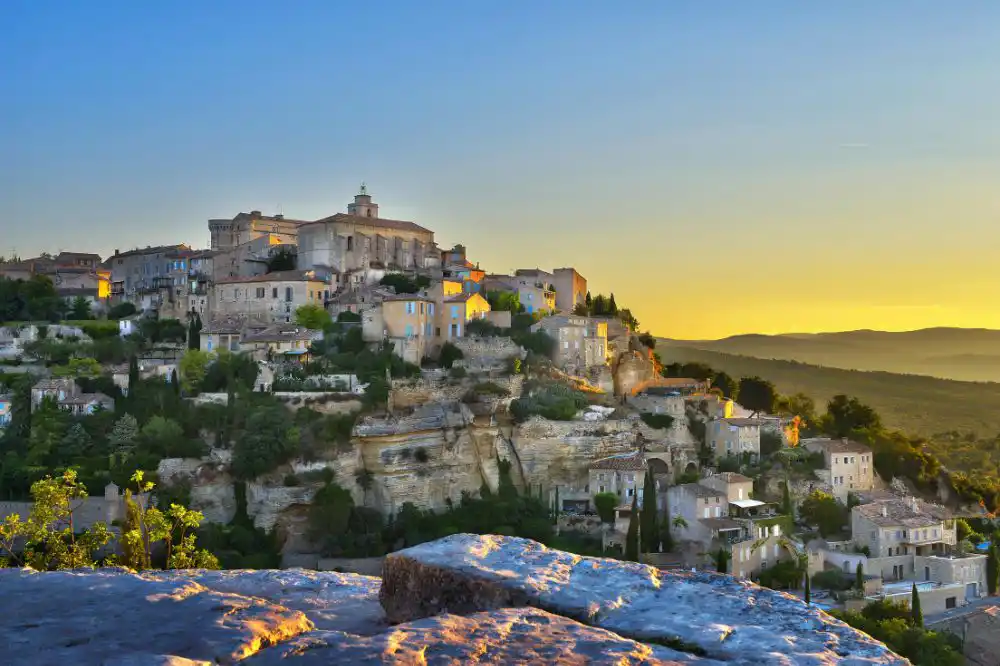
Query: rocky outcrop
{"points": [[724, 618], [508, 601]]}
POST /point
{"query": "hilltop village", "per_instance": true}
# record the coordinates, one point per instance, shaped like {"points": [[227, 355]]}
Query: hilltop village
{"points": [[325, 392]]}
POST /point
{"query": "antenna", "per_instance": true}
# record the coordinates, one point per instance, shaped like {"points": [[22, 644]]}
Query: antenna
{"points": [[364, 189]]}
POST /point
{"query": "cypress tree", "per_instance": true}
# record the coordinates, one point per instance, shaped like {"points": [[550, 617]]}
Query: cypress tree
{"points": [[915, 613], [133, 373], [993, 568], [786, 499], [859, 578], [612, 307], [632, 537], [649, 536], [174, 383], [809, 589]]}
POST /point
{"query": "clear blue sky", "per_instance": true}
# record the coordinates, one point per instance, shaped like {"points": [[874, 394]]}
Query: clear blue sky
{"points": [[817, 165]]}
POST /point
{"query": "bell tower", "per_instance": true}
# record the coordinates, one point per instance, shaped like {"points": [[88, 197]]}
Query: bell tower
{"points": [[363, 206]]}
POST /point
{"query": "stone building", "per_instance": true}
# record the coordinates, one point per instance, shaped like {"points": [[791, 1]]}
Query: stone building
{"points": [[359, 246], [273, 296], [252, 226], [144, 271], [571, 288], [847, 466], [581, 342], [409, 322], [733, 437], [67, 395]]}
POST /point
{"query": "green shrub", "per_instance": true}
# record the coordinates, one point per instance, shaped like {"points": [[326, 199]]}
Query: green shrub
{"points": [[832, 579]]}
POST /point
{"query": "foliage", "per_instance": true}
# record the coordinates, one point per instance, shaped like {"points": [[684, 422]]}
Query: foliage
{"points": [[121, 310], [403, 284], [721, 558], [551, 400], [847, 415], [449, 354], [312, 316], [730, 387], [758, 395], [80, 308], [34, 299], [808, 591], [825, 512], [892, 624], [663, 421], [632, 535], [647, 340], [537, 342], [859, 578], [649, 523], [993, 569], [831, 579], [282, 260], [270, 439], [482, 328], [606, 503], [194, 331], [347, 317], [504, 301], [193, 366], [229, 372], [770, 442], [698, 371], [784, 575], [162, 330]]}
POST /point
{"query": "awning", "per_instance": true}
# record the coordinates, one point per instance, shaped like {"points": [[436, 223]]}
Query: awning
{"points": [[295, 352], [721, 524], [747, 503]]}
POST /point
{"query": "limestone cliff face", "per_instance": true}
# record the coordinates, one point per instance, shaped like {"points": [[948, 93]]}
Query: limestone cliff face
{"points": [[461, 600]]}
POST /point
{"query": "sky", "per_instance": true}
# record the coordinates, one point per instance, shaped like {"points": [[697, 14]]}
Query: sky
{"points": [[723, 167]]}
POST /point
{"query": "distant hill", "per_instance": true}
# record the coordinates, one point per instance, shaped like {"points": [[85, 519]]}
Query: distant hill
{"points": [[965, 354], [913, 403]]}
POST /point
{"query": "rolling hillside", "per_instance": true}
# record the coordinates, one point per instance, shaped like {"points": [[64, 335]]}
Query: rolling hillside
{"points": [[948, 353], [917, 404]]}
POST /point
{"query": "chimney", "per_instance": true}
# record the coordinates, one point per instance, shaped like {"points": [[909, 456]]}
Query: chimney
{"points": [[116, 252]]}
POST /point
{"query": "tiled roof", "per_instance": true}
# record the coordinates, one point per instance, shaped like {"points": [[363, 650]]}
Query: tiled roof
{"points": [[741, 422], [277, 276], [408, 297], [733, 477], [459, 298], [837, 445], [283, 333], [378, 222], [59, 383], [903, 511], [622, 462], [699, 490], [149, 250], [256, 215]]}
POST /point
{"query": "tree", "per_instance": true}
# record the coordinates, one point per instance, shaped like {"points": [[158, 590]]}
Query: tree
{"points": [[163, 436], [193, 366], [598, 307], [993, 568], [823, 511], [808, 590], [269, 440], [612, 306], [121, 311], [123, 436], [915, 612], [757, 395], [312, 316], [51, 538], [666, 538], [329, 516], [632, 536], [580, 310], [282, 260], [859, 578], [647, 340], [48, 426], [786, 498], [846, 415], [74, 444], [449, 354], [726, 384], [174, 382], [194, 331], [588, 301], [80, 309], [628, 319], [649, 532], [606, 503], [133, 373], [79, 367], [721, 558]]}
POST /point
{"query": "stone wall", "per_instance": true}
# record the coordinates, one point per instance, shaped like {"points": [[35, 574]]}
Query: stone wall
{"points": [[485, 354], [414, 393]]}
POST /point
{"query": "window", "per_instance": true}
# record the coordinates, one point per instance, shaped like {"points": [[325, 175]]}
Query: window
{"points": [[430, 308], [565, 344], [718, 511], [630, 492], [350, 243], [409, 330], [707, 512], [454, 312], [260, 292], [274, 292], [421, 308], [601, 489], [288, 294], [427, 329], [410, 307]]}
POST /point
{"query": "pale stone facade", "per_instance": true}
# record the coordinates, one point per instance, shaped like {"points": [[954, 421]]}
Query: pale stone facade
{"points": [[247, 227], [274, 296], [354, 244], [571, 288], [581, 342], [733, 437], [848, 466], [409, 323]]}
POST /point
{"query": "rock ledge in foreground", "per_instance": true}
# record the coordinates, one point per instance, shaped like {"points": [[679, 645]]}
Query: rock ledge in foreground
{"points": [[720, 616]]}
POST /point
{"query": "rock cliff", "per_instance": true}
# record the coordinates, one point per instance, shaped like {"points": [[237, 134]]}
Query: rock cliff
{"points": [[465, 599]]}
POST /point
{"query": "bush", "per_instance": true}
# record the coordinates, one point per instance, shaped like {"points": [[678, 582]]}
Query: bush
{"points": [[482, 328], [832, 579], [291, 481], [449, 354], [551, 401], [783, 575], [458, 372], [420, 455], [606, 503], [663, 421]]}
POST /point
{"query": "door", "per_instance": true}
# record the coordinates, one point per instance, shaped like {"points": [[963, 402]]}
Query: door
{"points": [[971, 591]]}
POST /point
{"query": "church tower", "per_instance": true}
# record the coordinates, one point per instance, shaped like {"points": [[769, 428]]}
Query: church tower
{"points": [[363, 206]]}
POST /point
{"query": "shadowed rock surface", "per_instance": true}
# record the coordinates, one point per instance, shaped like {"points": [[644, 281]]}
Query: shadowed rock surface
{"points": [[87, 617], [511, 601], [730, 620], [508, 636]]}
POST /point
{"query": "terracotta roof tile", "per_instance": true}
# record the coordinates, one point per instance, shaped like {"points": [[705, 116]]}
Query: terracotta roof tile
{"points": [[377, 222]]}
